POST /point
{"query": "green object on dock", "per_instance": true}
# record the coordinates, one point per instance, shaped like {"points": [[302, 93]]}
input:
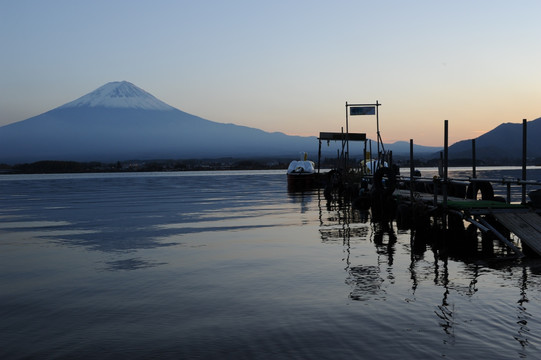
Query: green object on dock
{"points": [[481, 204]]}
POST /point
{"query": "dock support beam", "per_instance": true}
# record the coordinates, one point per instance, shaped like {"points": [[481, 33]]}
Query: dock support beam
{"points": [[484, 226], [524, 157], [412, 170], [474, 159], [319, 157], [445, 170], [517, 252]]}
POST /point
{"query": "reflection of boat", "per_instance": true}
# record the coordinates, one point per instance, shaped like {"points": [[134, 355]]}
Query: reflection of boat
{"points": [[301, 174]]}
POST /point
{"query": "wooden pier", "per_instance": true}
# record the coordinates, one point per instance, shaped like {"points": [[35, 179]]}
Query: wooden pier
{"points": [[442, 197], [519, 219], [522, 219], [526, 225]]}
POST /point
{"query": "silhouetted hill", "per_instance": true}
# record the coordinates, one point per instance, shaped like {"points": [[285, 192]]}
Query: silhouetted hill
{"points": [[120, 121], [502, 144]]}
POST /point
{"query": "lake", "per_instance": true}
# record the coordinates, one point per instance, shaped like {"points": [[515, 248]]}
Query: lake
{"points": [[229, 265]]}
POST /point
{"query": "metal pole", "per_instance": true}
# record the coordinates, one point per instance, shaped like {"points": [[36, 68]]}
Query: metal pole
{"points": [[474, 160], [524, 154], [445, 169], [412, 170], [319, 156], [347, 138], [371, 157], [343, 155], [363, 169], [377, 125]]}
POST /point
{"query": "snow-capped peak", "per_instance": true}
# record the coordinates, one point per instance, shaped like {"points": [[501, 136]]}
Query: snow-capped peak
{"points": [[119, 94]]}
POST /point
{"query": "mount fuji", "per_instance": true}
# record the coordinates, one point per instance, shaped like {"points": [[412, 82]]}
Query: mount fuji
{"points": [[120, 121]]}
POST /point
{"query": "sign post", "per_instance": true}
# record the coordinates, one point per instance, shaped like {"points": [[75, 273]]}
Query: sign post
{"points": [[362, 109]]}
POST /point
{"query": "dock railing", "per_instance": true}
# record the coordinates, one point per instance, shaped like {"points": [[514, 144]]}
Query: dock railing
{"points": [[502, 186]]}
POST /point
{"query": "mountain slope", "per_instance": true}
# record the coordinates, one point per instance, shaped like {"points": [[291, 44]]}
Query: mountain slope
{"points": [[120, 121], [502, 143], [403, 148]]}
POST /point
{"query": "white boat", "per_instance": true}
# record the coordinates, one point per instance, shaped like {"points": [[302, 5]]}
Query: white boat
{"points": [[301, 173]]}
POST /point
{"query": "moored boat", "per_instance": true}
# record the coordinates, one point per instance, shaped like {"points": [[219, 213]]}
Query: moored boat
{"points": [[301, 174]]}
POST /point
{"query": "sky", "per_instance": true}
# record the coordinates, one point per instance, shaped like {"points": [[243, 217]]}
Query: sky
{"points": [[285, 65]]}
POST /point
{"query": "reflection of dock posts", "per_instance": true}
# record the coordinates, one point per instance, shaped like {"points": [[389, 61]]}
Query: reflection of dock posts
{"points": [[445, 170], [524, 154], [523, 315]]}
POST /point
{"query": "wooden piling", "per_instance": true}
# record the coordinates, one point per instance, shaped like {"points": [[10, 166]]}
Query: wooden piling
{"points": [[445, 170], [412, 170], [524, 157], [474, 160]]}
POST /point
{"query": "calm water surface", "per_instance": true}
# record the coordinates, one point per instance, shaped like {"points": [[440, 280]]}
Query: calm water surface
{"points": [[230, 265]]}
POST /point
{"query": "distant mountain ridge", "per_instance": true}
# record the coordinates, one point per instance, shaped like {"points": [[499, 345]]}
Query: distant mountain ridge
{"points": [[120, 121], [503, 143], [403, 147]]}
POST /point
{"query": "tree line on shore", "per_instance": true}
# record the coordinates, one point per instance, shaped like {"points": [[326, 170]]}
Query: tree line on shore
{"points": [[58, 166]]}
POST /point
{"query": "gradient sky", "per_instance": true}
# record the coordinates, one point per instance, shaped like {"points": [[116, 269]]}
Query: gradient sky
{"points": [[285, 66]]}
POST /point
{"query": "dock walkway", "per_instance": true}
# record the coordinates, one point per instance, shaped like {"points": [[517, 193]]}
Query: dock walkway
{"points": [[525, 225], [518, 219]]}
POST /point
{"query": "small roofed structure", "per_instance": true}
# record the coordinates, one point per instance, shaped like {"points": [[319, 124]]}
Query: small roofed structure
{"points": [[338, 136]]}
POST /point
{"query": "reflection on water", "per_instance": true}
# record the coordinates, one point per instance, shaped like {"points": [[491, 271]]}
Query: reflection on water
{"points": [[131, 264], [366, 283], [343, 225], [231, 265]]}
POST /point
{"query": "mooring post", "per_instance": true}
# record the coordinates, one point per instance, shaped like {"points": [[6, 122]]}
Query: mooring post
{"points": [[319, 156], [343, 155], [412, 170], [445, 170], [474, 160], [371, 155], [365, 166], [347, 142], [474, 169], [445, 161], [524, 154], [436, 181]]}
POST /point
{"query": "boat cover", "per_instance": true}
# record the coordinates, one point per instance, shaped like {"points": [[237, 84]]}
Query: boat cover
{"points": [[299, 166]]}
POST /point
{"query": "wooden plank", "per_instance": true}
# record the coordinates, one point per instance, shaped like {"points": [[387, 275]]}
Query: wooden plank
{"points": [[527, 226], [533, 219]]}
